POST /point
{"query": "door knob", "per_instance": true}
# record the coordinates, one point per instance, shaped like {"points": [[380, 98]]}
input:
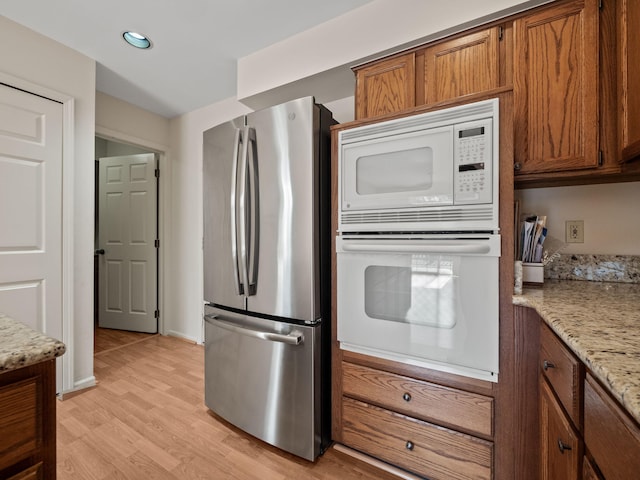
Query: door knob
{"points": [[100, 251]]}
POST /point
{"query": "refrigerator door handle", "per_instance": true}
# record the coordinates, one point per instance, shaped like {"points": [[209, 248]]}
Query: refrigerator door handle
{"points": [[254, 202], [242, 211], [293, 338], [234, 227]]}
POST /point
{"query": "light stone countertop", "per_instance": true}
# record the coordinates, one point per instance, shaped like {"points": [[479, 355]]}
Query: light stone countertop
{"points": [[600, 323], [21, 346]]}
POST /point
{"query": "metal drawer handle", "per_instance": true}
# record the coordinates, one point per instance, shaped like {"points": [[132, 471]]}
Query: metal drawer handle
{"points": [[547, 365], [563, 446], [293, 338], [406, 397], [409, 445]]}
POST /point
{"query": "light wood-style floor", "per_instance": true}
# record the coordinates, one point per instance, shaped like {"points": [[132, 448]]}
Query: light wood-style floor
{"points": [[146, 419]]}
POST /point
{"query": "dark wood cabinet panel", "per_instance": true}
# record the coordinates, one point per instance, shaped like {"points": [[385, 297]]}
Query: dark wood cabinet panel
{"points": [[629, 78], [386, 86], [563, 371], [560, 444], [427, 401], [556, 88], [429, 450], [613, 439], [28, 422], [461, 66]]}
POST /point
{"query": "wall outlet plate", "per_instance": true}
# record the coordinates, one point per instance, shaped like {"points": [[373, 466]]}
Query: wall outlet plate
{"points": [[574, 231]]}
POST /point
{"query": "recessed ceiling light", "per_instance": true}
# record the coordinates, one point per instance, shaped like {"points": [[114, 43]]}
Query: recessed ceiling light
{"points": [[136, 39]]}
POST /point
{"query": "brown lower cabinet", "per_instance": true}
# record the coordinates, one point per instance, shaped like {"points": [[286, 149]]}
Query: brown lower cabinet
{"points": [[430, 429], [28, 423], [584, 432]]}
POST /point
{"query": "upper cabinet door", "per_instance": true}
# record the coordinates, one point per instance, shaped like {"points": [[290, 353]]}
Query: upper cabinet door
{"points": [[462, 66], [385, 87], [556, 88], [629, 86]]}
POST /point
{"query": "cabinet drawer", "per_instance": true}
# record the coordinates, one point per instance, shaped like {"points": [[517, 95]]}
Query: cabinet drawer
{"points": [[443, 405], [31, 473], [20, 432], [611, 436], [564, 372], [423, 448]]}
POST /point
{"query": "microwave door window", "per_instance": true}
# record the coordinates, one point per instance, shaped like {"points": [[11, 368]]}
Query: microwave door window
{"points": [[422, 292], [395, 172]]}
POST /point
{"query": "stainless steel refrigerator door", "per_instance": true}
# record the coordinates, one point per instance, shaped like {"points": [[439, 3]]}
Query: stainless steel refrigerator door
{"points": [[263, 376], [221, 151], [285, 234]]}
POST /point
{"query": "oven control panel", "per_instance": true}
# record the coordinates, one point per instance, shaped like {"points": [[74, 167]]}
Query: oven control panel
{"points": [[473, 158]]}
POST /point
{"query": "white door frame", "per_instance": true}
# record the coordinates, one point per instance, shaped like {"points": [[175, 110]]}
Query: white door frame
{"points": [[68, 140], [163, 195]]}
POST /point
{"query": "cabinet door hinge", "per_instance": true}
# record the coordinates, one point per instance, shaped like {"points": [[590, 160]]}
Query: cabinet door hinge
{"points": [[600, 158], [157, 243], [157, 173], [600, 4], [500, 32], [156, 314]]}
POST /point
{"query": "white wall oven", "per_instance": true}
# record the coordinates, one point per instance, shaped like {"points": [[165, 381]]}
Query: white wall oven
{"points": [[419, 244]]}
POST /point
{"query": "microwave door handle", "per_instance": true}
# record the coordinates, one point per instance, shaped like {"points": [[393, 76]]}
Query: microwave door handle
{"points": [[453, 249], [234, 214]]}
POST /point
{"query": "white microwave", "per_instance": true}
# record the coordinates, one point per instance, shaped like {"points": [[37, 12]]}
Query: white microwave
{"points": [[435, 171]]}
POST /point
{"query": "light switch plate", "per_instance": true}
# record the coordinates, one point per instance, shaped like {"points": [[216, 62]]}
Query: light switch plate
{"points": [[574, 231]]}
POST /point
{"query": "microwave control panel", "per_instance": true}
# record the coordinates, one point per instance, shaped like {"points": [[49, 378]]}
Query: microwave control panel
{"points": [[473, 162]]}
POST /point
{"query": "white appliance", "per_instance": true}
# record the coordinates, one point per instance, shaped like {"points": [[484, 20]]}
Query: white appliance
{"points": [[418, 251], [437, 171]]}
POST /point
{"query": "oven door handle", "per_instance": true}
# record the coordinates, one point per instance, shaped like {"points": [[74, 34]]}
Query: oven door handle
{"points": [[474, 248]]}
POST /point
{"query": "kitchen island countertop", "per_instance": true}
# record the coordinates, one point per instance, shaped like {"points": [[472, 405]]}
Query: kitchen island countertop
{"points": [[21, 346], [600, 323]]}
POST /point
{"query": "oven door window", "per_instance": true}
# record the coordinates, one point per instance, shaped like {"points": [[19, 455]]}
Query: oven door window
{"points": [[421, 292]]}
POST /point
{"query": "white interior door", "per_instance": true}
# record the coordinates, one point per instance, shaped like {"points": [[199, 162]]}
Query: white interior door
{"points": [[127, 232], [31, 211]]}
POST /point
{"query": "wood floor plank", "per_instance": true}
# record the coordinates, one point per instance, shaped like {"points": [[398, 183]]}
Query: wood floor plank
{"points": [[146, 420]]}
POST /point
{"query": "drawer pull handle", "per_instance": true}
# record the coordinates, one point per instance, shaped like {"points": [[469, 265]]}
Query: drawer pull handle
{"points": [[563, 446], [406, 397], [547, 365], [409, 445]]}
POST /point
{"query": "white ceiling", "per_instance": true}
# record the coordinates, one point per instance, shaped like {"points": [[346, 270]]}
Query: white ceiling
{"points": [[196, 43]]}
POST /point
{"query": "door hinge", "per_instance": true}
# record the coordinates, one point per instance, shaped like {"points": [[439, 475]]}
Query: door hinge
{"points": [[156, 314], [600, 158], [601, 4], [500, 32], [157, 172], [157, 243]]}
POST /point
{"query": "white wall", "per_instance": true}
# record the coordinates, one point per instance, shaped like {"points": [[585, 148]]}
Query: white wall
{"points": [[35, 59], [185, 285], [317, 61], [609, 211]]}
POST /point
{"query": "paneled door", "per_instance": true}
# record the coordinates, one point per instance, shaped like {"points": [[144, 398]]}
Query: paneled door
{"points": [[127, 233], [31, 211]]}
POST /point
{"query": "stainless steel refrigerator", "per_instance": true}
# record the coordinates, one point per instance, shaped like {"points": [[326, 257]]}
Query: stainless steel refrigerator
{"points": [[267, 274]]}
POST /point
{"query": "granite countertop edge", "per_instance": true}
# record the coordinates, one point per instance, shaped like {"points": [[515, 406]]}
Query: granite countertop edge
{"points": [[600, 323], [21, 346]]}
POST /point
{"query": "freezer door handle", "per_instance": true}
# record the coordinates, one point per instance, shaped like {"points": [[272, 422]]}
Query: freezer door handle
{"points": [[234, 224], [293, 338]]}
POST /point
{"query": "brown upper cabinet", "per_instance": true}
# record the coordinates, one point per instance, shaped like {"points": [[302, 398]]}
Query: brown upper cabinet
{"points": [[460, 66], [575, 73], [556, 88], [629, 79], [386, 86]]}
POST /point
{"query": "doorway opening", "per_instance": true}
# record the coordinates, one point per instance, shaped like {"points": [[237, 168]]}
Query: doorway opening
{"points": [[126, 259]]}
